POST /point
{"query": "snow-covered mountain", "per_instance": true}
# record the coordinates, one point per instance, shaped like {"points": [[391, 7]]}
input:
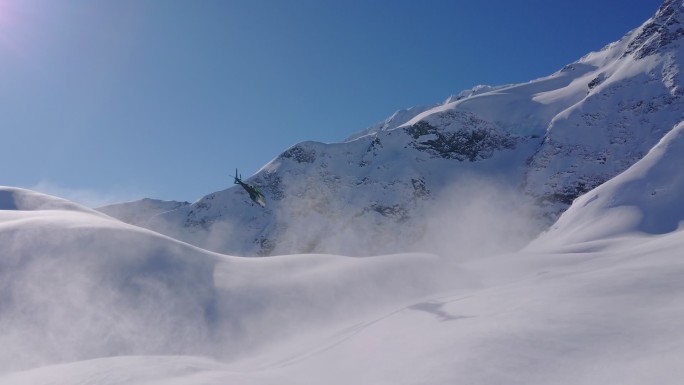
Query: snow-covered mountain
{"points": [[540, 144], [594, 300]]}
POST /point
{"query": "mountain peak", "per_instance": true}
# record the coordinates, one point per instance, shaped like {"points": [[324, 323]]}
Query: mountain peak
{"points": [[659, 32], [670, 7]]}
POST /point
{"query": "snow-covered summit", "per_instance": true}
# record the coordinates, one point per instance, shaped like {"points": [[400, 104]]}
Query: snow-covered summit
{"points": [[396, 119], [661, 32], [400, 117]]}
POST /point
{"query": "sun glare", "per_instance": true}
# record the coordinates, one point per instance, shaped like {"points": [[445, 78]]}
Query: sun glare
{"points": [[10, 27], [5, 20], [5, 6]]}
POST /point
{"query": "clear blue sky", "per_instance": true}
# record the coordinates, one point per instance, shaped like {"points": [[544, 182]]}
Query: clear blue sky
{"points": [[122, 99]]}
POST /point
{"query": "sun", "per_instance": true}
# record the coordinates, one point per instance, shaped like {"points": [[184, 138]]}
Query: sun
{"points": [[5, 11], [10, 27], [5, 19]]}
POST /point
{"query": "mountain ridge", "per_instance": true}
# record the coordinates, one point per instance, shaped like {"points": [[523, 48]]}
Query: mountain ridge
{"points": [[551, 139]]}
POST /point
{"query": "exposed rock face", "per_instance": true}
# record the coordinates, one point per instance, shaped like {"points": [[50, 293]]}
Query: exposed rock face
{"points": [[660, 32], [476, 139]]}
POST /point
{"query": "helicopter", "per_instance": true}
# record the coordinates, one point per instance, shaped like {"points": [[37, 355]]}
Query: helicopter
{"points": [[254, 193]]}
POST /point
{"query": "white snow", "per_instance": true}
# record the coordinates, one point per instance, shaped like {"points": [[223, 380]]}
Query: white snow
{"points": [[595, 299], [646, 198], [87, 299], [77, 285]]}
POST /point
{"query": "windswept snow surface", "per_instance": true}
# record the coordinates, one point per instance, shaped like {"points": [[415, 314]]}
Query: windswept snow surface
{"points": [[594, 300], [77, 285], [87, 299]]}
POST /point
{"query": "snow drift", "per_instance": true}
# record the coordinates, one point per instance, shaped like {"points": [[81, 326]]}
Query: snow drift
{"points": [[76, 284]]}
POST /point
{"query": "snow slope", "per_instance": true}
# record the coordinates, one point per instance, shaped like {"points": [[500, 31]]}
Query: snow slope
{"points": [[599, 311], [547, 141], [632, 97], [26, 200], [646, 198], [77, 285]]}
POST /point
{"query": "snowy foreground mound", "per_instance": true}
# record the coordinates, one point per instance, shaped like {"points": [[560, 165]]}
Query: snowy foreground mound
{"points": [[76, 285], [595, 300]]}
